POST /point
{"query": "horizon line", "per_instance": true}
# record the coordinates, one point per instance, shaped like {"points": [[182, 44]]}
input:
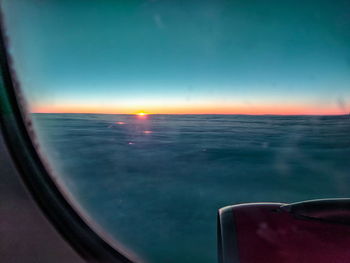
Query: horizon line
{"points": [[237, 114]]}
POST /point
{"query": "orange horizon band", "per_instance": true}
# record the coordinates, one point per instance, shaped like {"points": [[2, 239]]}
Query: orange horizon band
{"points": [[254, 110]]}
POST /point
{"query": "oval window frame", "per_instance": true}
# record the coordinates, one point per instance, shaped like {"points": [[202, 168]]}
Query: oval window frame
{"points": [[16, 130]]}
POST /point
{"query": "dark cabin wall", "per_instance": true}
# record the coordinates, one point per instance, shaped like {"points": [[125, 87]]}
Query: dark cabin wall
{"points": [[26, 236]]}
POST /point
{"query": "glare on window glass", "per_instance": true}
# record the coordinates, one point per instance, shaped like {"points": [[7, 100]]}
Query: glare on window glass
{"points": [[154, 114]]}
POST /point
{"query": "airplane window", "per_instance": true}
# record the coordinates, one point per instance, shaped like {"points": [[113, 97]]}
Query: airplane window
{"points": [[154, 114]]}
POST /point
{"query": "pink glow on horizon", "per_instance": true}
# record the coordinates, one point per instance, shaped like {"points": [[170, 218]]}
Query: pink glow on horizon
{"points": [[202, 109]]}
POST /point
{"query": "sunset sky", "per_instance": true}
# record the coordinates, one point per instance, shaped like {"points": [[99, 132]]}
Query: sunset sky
{"points": [[183, 57]]}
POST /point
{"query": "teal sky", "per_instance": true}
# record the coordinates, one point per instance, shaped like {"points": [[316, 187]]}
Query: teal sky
{"points": [[207, 56]]}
